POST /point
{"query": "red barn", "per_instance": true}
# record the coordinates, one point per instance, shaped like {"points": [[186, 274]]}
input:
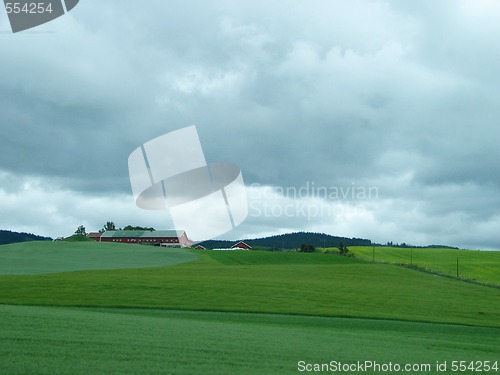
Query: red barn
{"points": [[158, 237], [241, 245], [94, 235]]}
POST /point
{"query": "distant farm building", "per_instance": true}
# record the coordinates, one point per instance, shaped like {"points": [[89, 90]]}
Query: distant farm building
{"points": [[173, 238], [199, 247], [241, 245], [94, 235], [237, 246]]}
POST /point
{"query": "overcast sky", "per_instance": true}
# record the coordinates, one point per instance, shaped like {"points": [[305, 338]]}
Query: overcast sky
{"points": [[372, 119]]}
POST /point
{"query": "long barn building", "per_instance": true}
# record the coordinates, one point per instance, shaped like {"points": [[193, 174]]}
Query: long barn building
{"points": [[157, 237]]}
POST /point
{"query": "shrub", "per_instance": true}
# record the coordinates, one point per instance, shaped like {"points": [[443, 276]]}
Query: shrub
{"points": [[306, 248], [343, 250], [77, 238]]}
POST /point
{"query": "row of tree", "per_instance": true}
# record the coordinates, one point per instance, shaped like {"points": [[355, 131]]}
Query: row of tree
{"points": [[7, 237], [405, 245], [81, 231], [292, 241], [308, 248], [111, 226]]}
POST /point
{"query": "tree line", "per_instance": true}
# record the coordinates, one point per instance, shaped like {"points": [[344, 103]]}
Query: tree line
{"points": [[292, 241], [7, 237], [110, 226], [308, 248]]}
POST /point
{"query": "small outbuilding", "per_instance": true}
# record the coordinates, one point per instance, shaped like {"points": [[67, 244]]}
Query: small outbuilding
{"points": [[241, 245], [96, 236]]}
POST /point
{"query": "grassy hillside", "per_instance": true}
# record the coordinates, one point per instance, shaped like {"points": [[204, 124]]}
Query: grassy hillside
{"points": [[245, 257], [474, 265], [78, 238], [200, 316], [61, 256], [49, 340], [328, 286]]}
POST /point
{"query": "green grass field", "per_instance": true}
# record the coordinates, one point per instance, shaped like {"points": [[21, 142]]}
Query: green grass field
{"points": [[48, 340], [474, 265], [31, 258], [238, 312]]}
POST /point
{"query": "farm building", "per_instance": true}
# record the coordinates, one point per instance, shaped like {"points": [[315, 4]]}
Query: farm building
{"points": [[241, 245], [158, 237], [94, 235], [237, 246]]}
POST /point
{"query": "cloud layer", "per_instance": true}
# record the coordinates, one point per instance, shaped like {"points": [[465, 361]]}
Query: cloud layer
{"points": [[403, 97]]}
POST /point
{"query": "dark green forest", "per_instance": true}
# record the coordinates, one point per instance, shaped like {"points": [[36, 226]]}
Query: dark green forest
{"points": [[291, 241], [6, 237]]}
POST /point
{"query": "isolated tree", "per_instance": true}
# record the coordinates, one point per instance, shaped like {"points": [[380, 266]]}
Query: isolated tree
{"points": [[109, 226], [80, 231], [343, 250]]}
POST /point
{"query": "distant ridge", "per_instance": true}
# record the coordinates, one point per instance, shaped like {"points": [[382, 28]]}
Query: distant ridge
{"points": [[7, 236], [291, 241]]}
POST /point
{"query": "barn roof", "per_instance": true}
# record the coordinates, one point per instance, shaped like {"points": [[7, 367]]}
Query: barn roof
{"points": [[239, 244], [122, 233], [163, 233]]}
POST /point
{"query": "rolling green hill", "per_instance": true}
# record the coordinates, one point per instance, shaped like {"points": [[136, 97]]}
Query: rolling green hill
{"points": [[245, 312], [473, 265], [61, 256], [244, 257], [49, 340], [266, 282]]}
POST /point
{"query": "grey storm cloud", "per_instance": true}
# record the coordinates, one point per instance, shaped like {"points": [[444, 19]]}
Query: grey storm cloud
{"points": [[403, 96]]}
